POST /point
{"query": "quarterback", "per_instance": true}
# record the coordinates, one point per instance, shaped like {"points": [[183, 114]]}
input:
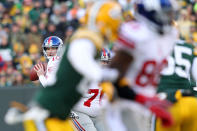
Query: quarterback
{"points": [[52, 48]]}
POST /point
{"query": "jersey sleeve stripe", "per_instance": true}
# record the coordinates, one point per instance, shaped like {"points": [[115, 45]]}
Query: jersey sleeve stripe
{"points": [[126, 43], [77, 125]]}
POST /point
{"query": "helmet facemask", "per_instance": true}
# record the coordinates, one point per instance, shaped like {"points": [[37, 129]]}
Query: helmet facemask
{"points": [[52, 50]]}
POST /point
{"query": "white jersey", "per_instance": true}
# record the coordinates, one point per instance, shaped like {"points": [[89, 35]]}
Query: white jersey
{"points": [[90, 103], [149, 50], [52, 67]]}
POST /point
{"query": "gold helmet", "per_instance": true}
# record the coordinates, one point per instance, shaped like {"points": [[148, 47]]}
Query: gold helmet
{"points": [[104, 16]]}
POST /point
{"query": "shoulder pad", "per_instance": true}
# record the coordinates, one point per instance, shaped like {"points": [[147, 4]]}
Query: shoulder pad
{"points": [[134, 31], [95, 37]]}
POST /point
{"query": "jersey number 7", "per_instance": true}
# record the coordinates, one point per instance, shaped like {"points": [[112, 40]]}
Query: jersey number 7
{"points": [[91, 91]]}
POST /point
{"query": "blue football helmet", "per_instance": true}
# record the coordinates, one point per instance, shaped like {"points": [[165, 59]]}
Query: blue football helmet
{"points": [[158, 13], [52, 41], [105, 55]]}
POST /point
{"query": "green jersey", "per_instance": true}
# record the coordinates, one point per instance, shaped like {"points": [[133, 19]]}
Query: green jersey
{"points": [[59, 98], [177, 75]]}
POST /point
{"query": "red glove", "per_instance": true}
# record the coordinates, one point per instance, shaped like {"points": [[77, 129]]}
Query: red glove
{"points": [[158, 107]]}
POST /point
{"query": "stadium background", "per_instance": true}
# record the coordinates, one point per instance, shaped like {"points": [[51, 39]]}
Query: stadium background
{"points": [[25, 23]]}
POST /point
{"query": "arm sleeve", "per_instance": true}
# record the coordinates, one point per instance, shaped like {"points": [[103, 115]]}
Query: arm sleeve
{"points": [[81, 55], [43, 80], [50, 80]]}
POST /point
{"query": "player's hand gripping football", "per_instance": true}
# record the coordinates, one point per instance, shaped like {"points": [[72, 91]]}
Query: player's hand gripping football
{"points": [[39, 68], [158, 107]]}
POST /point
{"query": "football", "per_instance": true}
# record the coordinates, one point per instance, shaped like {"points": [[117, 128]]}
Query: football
{"points": [[33, 75]]}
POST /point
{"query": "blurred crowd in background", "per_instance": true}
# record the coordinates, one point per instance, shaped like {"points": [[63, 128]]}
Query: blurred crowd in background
{"points": [[24, 24]]}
